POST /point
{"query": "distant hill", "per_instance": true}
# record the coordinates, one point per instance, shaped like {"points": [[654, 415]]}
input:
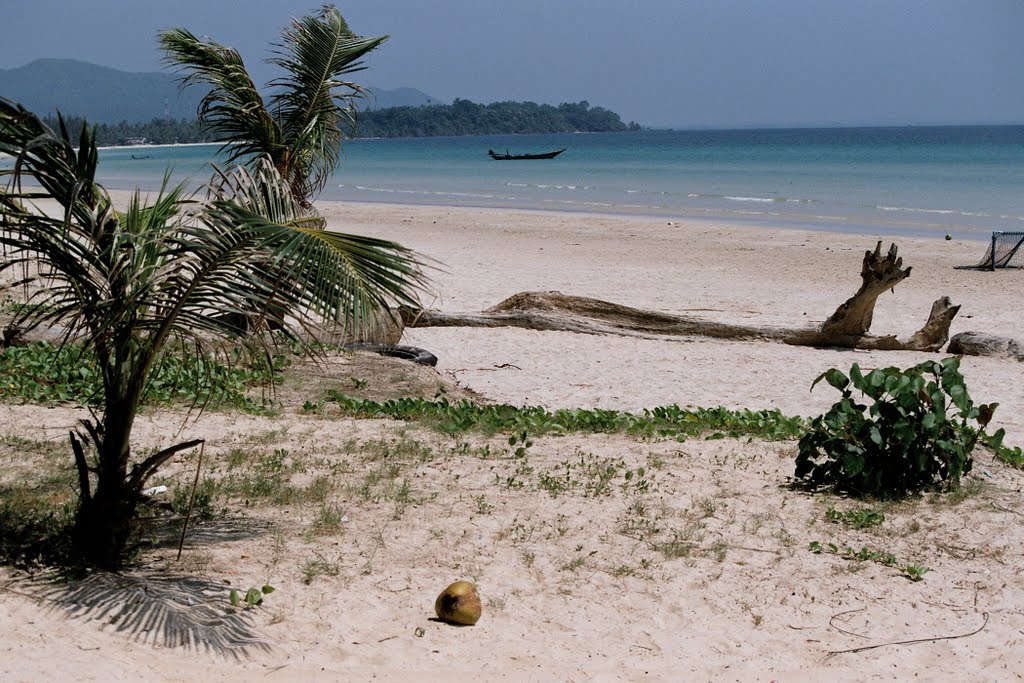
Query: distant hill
{"points": [[105, 95], [99, 93]]}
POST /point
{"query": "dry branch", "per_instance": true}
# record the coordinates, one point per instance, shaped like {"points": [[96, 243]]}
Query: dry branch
{"points": [[847, 327]]}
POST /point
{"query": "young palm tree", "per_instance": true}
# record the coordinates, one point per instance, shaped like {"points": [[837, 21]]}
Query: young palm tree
{"points": [[308, 109], [170, 275]]}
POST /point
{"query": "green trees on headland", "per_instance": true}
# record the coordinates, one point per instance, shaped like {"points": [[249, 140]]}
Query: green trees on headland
{"points": [[462, 117]]}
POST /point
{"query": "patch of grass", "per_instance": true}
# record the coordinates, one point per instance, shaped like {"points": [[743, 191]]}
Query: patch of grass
{"points": [[676, 547], [318, 566], [203, 507], [577, 561], [329, 519], [637, 523]]}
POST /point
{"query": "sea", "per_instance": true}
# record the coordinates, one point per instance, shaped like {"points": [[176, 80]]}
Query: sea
{"points": [[965, 181]]}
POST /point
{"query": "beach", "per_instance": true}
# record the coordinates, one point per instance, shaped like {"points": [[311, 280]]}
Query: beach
{"points": [[695, 566]]}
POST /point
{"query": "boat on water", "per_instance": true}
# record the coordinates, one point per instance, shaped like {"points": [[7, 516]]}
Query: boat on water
{"points": [[514, 157]]}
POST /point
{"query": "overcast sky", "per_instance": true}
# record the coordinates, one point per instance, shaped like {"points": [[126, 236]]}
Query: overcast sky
{"points": [[682, 63]]}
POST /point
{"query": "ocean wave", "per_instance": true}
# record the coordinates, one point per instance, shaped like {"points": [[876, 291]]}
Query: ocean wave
{"points": [[743, 198], [429, 193], [944, 212]]}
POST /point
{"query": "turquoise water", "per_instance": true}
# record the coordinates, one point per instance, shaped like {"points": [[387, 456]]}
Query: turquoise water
{"points": [[966, 181]]}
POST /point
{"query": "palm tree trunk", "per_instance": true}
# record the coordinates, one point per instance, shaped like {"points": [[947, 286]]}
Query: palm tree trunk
{"points": [[103, 522]]}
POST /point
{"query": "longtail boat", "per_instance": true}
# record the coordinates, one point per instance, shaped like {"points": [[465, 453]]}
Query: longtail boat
{"points": [[514, 157]]}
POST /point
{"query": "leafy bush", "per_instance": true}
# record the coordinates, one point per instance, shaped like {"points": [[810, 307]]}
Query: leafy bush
{"points": [[916, 434]]}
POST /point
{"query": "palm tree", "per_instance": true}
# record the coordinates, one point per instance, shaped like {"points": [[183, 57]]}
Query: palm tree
{"points": [[170, 275], [308, 110]]}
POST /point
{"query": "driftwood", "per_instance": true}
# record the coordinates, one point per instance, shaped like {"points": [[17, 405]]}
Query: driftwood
{"points": [[847, 327], [978, 344]]}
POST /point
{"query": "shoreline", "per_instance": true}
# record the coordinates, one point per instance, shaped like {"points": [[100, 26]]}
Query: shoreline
{"points": [[891, 229]]}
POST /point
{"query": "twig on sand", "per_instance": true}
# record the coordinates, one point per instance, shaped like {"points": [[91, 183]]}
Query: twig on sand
{"points": [[914, 641], [832, 624]]}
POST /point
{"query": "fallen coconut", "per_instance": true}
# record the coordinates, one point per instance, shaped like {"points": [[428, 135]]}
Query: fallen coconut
{"points": [[458, 604]]}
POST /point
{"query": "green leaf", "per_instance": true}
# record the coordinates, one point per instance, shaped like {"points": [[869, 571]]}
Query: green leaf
{"points": [[836, 379], [253, 597]]}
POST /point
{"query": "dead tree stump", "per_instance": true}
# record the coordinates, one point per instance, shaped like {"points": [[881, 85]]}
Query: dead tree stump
{"points": [[878, 273]]}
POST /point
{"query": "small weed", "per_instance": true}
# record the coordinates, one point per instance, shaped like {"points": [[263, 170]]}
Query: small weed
{"points": [[915, 572], [708, 507], [636, 523], [329, 519], [482, 506], [674, 548], [912, 571], [251, 598], [523, 442], [202, 507], [859, 518], [317, 567], [576, 562]]}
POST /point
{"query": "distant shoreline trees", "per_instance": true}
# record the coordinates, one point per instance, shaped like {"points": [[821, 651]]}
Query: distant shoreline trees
{"points": [[462, 117]]}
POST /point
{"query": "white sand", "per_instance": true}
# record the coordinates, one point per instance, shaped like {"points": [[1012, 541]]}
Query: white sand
{"points": [[702, 574]]}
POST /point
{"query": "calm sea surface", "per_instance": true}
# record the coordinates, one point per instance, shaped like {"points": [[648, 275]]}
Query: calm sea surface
{"points": [[966, 181]]}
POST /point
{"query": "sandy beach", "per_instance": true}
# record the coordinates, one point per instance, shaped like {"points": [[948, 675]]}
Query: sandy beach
{"points": [[695, 566]]}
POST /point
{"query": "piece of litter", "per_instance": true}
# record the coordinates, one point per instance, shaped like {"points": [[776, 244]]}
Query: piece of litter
{"points": [[155, 490]]}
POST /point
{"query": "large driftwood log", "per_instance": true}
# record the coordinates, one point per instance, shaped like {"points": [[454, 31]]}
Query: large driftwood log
{"points": [[847, 327], [557, 312]]}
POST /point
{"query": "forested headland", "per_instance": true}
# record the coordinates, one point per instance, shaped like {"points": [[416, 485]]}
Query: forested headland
{"points": [[462, 117]]}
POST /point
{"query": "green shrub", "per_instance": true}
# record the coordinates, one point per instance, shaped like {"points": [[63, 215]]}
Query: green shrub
{"points": [[917, 433]]}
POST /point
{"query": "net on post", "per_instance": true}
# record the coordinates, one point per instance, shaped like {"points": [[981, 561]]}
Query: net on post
{"points": [[1004, 251]]}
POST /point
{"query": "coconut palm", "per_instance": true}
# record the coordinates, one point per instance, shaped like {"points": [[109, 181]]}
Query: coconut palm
{"points": [[170, 275], [307, 111]]}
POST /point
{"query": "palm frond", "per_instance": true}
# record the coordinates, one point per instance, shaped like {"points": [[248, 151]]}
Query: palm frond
{"points": [[314, 104], [233, 109], [318, 277]]}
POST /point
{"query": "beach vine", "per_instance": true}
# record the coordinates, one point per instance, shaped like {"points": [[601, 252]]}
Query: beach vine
{"points": [[668, 422]]}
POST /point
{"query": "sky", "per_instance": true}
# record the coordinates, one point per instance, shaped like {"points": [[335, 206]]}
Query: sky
{"points": [[661, 63]]}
